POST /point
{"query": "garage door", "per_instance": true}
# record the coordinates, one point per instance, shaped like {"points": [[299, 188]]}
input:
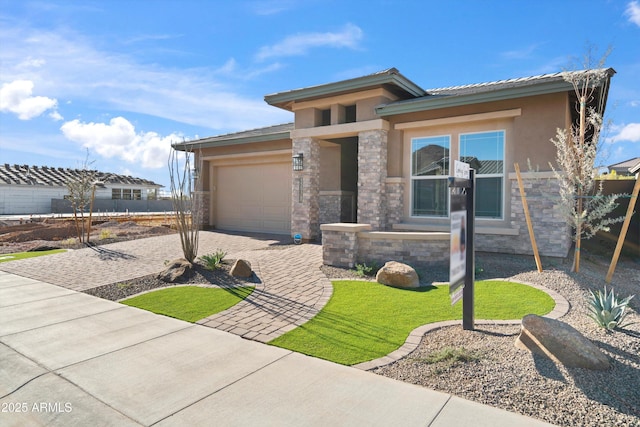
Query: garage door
{"points": [[254, 198]]}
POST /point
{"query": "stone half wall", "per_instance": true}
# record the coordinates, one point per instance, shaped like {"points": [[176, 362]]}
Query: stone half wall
{"points": [[345, 245]]}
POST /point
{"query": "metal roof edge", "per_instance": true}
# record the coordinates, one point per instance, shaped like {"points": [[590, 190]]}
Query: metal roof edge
{"points": [[431, 102], [391, 76], [216, 141]]}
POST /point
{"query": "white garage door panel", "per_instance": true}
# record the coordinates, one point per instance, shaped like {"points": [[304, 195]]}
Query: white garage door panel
{"points": [[254, 198]]}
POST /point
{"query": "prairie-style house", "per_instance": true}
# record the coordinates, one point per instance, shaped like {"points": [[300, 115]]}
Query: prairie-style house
{"points": [[365, 165]]}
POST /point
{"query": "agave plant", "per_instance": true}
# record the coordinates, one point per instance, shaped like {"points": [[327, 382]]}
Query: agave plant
{"points": [[607, 311]]}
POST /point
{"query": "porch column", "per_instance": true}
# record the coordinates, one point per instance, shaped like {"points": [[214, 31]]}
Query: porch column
{"points": [[372, 175], [305, 195]]}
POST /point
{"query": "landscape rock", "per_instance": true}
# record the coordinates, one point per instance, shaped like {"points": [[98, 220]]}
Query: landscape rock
{"points": [[176, 270], [560, 342], [398, 275], [241, 268]]}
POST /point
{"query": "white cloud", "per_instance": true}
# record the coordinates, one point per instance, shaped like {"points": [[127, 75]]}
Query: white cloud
{"points": [[119, 139], [633, 12], [300, 44], [630, 132], [16, 97], [70, 67], [271, 7]]}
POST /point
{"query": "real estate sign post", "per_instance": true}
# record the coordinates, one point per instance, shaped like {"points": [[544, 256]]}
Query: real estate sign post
{"points": [[462, 255]]}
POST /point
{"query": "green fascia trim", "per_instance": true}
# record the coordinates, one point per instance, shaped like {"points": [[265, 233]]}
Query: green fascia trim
{"points": [[352, 85], [443, 101], [192, 145]]}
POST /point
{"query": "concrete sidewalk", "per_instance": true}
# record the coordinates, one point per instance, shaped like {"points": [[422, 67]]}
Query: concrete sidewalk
{"points": [[68, 359]]}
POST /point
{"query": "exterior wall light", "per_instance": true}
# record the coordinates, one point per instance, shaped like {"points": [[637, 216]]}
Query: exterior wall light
{"points": [[298, 162]]}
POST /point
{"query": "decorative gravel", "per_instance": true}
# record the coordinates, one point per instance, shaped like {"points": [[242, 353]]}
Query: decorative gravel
{"points": [[491, 370], [200, 277]]}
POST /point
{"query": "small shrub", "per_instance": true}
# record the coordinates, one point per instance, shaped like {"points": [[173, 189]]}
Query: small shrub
{"points": [[607, 310], [69, 242], [106, 234], [365, 269], [213, 261], [449, 356], [123, 285]]}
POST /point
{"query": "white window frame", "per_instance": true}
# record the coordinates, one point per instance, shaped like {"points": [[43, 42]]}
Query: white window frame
{"points": [[502, 175], [413, 178]]}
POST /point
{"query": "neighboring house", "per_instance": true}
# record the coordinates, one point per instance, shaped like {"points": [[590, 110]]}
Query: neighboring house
{"points": [[33, 190], [377, 150], [627, 168]]}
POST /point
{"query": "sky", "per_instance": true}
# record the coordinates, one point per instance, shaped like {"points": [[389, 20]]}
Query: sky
{"points": [[113, 83]]}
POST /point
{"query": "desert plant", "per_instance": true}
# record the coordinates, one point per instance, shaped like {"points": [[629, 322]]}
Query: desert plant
{"points": [[186, 199], [582, 203], [607, 310], [365, 269], [81, 191], [213, 261], [106, 234]]}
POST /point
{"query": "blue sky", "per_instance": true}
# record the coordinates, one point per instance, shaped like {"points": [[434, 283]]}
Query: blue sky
{"points": [[124, 79]]}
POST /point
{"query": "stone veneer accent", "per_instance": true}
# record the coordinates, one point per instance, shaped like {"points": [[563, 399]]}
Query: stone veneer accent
{"points": [[336, 206], [395, 201], [551, 231], [372, 174], [345, 245], [305, 211], [203, 216]]}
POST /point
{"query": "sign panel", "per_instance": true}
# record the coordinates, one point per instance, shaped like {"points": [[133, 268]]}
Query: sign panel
{"points": [[460, 169], [458, 243]]}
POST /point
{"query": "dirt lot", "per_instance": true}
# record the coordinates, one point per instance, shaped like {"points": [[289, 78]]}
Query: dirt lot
{"points": [[58, 233]]}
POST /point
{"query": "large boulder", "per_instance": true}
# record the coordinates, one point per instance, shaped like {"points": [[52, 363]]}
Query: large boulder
{"points": [[398, 275], [241, 268], [176, 270], [560, 342]]}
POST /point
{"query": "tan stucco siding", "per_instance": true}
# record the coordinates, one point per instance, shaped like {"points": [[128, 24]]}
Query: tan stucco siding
{"points": [[330, 167], [307, 113], [528, 123], [528, 135]]}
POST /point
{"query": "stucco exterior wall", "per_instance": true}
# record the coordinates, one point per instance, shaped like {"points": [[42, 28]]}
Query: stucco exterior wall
{"points": [[28, 199]]}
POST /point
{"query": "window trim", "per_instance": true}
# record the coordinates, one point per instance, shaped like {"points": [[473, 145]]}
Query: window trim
{"points": [[427, 177]]}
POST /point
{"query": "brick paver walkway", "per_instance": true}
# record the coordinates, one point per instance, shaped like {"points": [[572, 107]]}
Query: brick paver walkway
{"points": [[292, 288]]}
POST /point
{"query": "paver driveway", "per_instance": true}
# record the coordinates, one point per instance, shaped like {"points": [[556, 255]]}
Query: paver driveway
{"points": [[292, 288]]}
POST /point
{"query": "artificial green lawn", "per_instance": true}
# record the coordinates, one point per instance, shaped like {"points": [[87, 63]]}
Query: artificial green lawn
{"points": [[367, 320], [190, 303], [23, 255]]}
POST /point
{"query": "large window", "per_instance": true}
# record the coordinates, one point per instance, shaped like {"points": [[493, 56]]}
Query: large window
{"points": [[485, 153], [429, 172]]}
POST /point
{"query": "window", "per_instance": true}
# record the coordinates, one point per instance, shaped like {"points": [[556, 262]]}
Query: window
{"points": [[126, 193], [485, 153], [325, 117], [137, 194], [116, 194], [350, 114], [429, 172]]}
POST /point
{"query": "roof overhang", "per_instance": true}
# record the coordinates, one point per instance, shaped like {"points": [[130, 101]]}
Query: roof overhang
{"points": [[390, 79], [438, 101], [277, 133]]}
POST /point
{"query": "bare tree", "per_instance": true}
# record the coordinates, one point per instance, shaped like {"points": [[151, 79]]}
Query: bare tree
{"points": [[583, 205], [187, 202], [80, 195]]}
